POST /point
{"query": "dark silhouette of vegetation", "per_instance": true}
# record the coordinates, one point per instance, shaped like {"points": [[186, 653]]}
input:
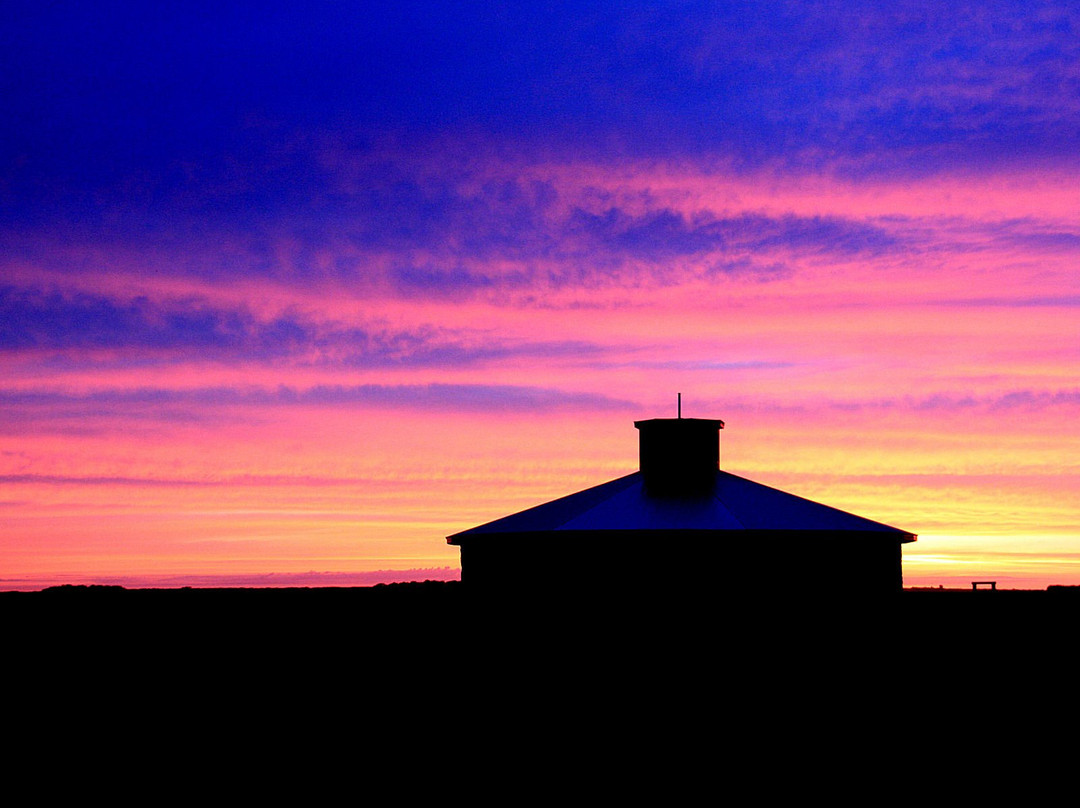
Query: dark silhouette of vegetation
{"points": [[448, 612]]}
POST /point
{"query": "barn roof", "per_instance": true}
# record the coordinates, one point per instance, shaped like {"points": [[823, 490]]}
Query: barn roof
{"points": [[733, 504]]}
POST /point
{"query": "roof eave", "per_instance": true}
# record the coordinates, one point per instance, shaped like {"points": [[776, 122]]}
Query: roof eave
{"points": [[902, 536]]}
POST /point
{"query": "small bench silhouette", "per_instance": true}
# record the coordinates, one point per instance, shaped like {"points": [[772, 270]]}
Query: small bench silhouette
{"points": [[984, 584]]}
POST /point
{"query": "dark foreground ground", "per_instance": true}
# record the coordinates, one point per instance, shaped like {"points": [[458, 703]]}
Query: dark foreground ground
{"points": [[426, 690], [458, 628], [448, 614], [439, 607]]}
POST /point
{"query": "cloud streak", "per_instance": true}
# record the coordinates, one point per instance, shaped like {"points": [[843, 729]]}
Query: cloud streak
{"points": [[465, 397], [178, 330]]}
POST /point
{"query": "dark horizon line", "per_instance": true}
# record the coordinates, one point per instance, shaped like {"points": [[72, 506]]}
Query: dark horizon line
{"points": [[432, 584]]}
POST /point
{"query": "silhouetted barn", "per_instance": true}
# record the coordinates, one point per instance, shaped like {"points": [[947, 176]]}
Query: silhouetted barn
{"points": [[683, 522]]}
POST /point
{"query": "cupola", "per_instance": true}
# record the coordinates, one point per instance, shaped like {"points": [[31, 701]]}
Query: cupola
{"points": [[679, 456]]}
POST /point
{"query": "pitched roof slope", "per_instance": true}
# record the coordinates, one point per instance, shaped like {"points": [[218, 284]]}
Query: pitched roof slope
{"points": [[734, 504]]}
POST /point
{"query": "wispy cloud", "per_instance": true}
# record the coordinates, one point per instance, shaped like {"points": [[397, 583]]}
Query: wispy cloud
{"points": [[1041, 301], [34, 405], [34, 318], [176, 330], [1015, 400]]}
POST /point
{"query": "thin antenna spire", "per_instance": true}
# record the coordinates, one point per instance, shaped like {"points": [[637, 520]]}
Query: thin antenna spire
{"points": [[680, 405]]}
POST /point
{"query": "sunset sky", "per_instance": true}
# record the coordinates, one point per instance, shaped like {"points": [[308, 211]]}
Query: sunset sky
{"points": [[289, 292]]}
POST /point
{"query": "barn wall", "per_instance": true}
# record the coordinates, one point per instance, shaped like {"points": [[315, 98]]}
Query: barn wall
{"points": [[761, 561]]}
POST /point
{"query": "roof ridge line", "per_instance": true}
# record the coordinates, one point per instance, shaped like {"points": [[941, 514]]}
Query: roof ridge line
{"points": [[730, 512]]}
